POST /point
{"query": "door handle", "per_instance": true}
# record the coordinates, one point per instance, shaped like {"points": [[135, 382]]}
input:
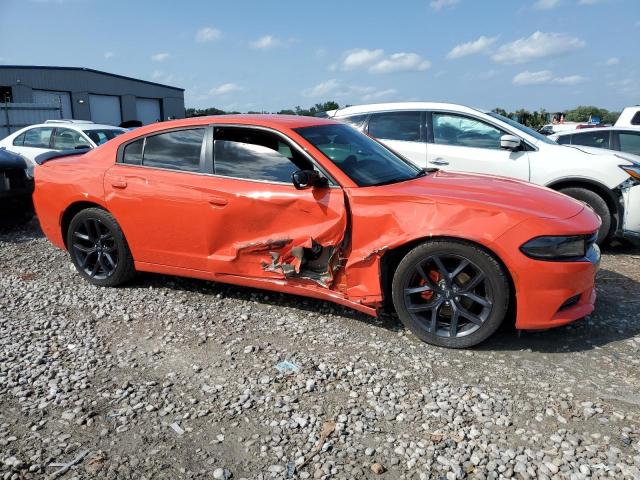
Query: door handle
{"points": [[218, 201], [119, 184], [439, 161]]}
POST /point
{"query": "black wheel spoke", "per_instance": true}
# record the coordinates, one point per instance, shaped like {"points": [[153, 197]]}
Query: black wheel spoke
{"points": [[94, 248], [420, 308], [423, 288], [109, 259], [427, 279], [84, 249], [477, 298], [82, 236], [442, 269], [469, 316], [453, 327], [461, 266], [473, 283]]}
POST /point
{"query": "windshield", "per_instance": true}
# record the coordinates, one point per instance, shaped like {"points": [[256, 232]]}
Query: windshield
{"points": [[361, 158], [103, 135], [522, 128]]}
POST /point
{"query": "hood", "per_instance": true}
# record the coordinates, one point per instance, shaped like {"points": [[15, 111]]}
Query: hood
{"points": [[628, 157], [486, 192]]}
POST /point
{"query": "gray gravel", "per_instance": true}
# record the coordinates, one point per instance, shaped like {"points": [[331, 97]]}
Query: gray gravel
{"points": [[176, 378]]}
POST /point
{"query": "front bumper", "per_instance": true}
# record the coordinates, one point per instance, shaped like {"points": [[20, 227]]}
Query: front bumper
{"points": [[552, 293]]}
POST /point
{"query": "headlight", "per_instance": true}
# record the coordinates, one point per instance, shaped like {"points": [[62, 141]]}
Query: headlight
{"points": [[558, 248], [633, 171]]}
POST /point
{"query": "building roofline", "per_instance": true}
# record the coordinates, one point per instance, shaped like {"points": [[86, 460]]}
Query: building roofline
{"points": [[83, 69]]}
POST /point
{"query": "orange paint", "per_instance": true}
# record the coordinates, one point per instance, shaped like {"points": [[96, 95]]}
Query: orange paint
{"points": [[253, 233]]}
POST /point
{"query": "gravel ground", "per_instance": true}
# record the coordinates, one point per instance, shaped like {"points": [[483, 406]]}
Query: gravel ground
{"points": [[175, 378]]}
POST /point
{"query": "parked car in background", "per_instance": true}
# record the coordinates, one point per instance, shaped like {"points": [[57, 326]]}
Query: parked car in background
{"points": [[455, 137], [312, 207], [551, 128], [630, 117], [613, 138], [16, 187], [34, 140]]}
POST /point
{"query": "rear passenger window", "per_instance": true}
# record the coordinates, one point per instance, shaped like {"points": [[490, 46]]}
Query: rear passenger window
{"points": [[591, 139], [37, 137], [133, 153], [395, 126], [177, 150], [565, 139], [630, 142]]}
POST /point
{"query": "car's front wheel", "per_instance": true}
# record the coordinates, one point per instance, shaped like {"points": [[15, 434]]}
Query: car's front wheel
{"points": [[98, 248], [450, 293]]}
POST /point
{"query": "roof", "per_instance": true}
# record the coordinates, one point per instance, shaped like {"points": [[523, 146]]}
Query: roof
{"points": [[91, 70], [595, 129], [380, 107]]}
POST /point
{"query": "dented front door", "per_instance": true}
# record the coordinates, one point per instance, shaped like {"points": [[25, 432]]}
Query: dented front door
{"points": [[271, 230]]}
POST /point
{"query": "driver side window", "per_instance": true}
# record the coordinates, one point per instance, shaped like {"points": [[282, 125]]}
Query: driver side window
{"points": [[461, 131], [252, 154]]}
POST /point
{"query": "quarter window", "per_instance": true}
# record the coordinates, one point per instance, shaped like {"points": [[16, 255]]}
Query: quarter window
{"points": [[395, 126], [355, 121], [38, 137], [255, 155], [19, 140], [177, 150], [463, 131], [133, 153], [591, 139], [630, 142], [66, 139]]}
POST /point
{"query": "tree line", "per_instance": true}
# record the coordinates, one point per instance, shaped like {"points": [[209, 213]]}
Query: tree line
{"points": [[535, 119]]}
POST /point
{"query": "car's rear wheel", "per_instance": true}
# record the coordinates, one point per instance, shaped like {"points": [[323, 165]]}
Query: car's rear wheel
{"points": [[598, 204], [450, 293], [98, 248]]}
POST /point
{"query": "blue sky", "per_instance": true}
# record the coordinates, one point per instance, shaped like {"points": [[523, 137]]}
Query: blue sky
{"points": [[268, 55]]}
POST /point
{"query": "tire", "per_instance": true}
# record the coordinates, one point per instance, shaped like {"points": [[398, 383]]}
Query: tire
{"points": [[461, 278], [98, 248], [598, 204]]}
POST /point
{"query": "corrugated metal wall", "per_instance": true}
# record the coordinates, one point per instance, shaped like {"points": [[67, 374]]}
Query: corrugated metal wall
{"points": [[14, 116]]}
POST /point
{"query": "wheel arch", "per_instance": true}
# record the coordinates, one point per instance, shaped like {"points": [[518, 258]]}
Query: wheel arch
{"points": [[605, 192], [71, 211], [392, 257]]}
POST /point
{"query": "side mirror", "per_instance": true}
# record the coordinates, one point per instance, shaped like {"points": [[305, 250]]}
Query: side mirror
{"points": [[303, 179], [510, 142]]}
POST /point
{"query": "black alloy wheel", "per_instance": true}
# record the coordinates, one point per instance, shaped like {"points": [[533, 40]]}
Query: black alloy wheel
{"points": [[450, 293], [98, 248]]}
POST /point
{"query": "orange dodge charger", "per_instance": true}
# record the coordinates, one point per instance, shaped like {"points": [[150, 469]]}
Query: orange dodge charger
{"points": [[313, 207]]}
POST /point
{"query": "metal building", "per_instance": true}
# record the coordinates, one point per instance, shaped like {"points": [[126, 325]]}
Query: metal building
{"points": [[86, 94]]}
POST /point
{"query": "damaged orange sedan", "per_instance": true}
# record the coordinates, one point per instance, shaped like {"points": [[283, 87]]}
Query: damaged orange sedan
{"points": [[312, 207]]}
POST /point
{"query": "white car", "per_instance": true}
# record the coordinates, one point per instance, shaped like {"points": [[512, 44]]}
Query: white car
{"points": [[622, 139], [455, 137], [33, 140], [630, 117]]}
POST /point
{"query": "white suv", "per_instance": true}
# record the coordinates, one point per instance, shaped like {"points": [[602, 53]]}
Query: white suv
{"points": [[33, 140], [455, 137]]}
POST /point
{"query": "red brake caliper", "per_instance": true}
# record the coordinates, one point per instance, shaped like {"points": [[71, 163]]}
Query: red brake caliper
{"points": [[435, 277]]}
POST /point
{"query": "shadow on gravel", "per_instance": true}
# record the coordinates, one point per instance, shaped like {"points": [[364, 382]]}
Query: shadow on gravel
{"points": [[614, 319], [21, 233]]}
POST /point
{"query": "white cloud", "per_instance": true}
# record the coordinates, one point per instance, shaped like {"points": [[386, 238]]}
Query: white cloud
{"points": [[438, 5], [476, 46], [109, 55], [361, 58], [225, 88], [208, 34], [546, 4], [401, 62], [538, 45], [376, 62], [613, 61], [267, 42], [545, 77], [337, 90], [160, 57], [590, 2]]}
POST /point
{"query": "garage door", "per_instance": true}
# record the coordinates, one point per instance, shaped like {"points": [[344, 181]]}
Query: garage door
{"points": [[56, 98], [148, 110], [105, 109]]}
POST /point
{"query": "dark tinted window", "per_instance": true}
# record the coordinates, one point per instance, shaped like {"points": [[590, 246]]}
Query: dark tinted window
{"points": [[67, 139], [591, 139], [102, 136], [19, 140], [565, 139], [630, 142], [178, 150], [255, 155], [38, 137], [133, 153], [395, 126], [360, 157], [463, 131], [636, 119]]}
